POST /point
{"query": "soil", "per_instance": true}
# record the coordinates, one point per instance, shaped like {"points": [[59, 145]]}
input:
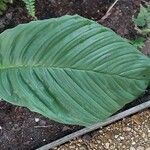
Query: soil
{"points": [[21, 129]]}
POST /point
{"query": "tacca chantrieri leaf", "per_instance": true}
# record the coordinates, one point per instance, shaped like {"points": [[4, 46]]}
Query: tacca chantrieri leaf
{"points": [[70, 69]]}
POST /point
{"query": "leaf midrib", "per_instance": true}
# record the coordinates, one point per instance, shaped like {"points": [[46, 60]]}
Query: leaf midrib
{"points": [[65, 68]]}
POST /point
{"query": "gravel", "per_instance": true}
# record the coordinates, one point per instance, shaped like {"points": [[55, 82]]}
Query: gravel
{"points": [[132, 133]]}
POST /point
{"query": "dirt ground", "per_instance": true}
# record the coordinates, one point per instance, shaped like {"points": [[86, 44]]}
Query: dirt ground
{"points": [[21, 129]]}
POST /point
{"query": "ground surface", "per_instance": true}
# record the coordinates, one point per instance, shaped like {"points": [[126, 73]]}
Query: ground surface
{"points": [[132, 133], [21, 129]]}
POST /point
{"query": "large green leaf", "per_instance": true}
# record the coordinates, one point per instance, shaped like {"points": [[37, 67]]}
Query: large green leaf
{"points": [[70, 69]]}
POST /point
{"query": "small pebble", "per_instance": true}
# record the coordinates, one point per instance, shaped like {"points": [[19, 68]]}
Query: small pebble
{"points": [[127, 129], [140, 148], [133, 143], [107, 145], [9, 16], [65, 128], [143, 135], [37, 119], [122, 138], [0, 127], [86, 137], [132, 148], [72, 146], [82, 148], [42, 123]]}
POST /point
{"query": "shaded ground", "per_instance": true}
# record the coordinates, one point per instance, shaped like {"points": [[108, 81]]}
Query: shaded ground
{"points": [[21, 129], [132, 133]]}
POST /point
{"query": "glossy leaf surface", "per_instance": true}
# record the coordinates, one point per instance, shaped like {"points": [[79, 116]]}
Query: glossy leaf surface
{"points": [[70, 69]]}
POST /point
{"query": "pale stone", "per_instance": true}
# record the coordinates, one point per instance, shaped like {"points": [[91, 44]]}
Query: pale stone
{"points": [[122, 138], [37, 119], [127, 129], [132, 148], [133, 143], [107, 145], [140, 148]]}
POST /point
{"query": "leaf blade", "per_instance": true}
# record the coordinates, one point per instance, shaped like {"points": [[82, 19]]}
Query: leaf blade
{"points": [[70, 69]]}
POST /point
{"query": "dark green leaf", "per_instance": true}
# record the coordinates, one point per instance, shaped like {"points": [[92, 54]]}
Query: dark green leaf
{"points": [[70, 69]]}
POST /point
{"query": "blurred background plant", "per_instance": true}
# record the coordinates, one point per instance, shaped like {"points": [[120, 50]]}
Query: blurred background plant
{"points": [[3, 5], [30, 6], [142, 21], [142, 25]]}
